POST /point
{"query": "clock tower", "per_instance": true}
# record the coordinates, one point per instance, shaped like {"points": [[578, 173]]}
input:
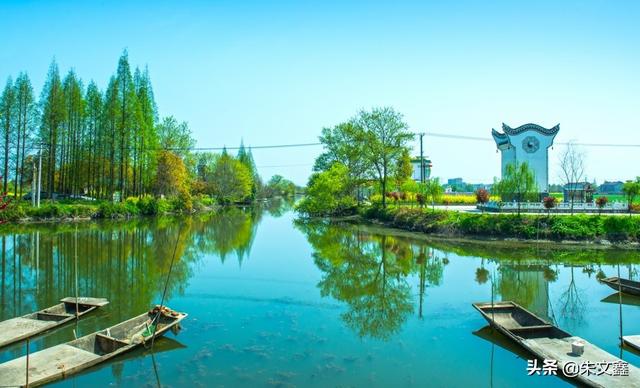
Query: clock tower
{"points": [[527, 143]]}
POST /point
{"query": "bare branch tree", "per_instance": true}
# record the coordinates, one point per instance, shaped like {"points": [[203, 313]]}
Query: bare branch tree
{"points": [[572, 170]]}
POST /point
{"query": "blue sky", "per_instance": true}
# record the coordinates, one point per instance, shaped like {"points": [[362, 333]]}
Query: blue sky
{"points": [[277, 72]]}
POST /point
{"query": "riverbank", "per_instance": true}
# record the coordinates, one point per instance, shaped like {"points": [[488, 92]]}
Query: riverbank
{"points": [[22, 212], [619, 231]]}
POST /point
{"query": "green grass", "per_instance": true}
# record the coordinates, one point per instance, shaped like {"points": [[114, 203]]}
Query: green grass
{"points": [[72, 209], [579, 227]]}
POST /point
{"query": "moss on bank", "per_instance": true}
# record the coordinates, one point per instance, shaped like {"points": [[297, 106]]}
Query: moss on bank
{"points": [[579, 227]]}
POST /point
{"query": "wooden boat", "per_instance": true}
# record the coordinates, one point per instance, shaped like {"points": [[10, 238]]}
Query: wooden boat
{"points": [[632, 342], [30, 325], [64, 360], [627, 286], [548, 342]]}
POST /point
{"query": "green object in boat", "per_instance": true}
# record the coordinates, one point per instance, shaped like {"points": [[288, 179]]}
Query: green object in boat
{"points": [[149, 331]]}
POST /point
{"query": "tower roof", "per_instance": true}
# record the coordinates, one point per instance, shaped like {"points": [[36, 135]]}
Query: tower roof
{"points": [[530, 127], [500, 138]]}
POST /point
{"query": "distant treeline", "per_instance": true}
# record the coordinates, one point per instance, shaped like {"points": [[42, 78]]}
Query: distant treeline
{"points": [[96, 142]]}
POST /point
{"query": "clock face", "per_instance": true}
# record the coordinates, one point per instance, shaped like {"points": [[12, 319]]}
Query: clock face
{"points": [[530, 144]]}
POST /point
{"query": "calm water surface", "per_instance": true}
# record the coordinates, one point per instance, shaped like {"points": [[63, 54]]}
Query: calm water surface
{"points": [[275, 302]]}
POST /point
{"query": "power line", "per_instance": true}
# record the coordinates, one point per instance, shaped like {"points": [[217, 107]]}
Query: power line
{"points": [[247, 147], [475, 138], [297, 145], [287, 165]]}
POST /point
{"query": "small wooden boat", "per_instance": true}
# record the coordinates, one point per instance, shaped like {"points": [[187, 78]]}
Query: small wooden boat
{"points": [[19, 328], [627, 286], [64, 360], [548, 342], [632, 341]]}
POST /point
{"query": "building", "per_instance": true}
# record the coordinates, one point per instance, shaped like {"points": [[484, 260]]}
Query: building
{"points": [[415, 162], [528, 143], [580, 191], [455, 182], [611, 187]]}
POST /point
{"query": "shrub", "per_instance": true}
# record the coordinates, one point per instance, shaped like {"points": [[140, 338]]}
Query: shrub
{"points": [[576, 227], [566, 227], [117, 210], [549, 202], [163, 206], [482, 196], [12, 212], [602, 202], [148, 205], [621, 228]]}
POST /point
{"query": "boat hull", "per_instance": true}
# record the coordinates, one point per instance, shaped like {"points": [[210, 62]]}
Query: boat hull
{"points": [[61, 361], [545, 341], [31, 325], [626, 286]]}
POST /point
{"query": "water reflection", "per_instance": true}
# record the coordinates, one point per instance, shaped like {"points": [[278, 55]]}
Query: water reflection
{"points": [[126, 262], [369, 273], [320, 304], [369, 269]]}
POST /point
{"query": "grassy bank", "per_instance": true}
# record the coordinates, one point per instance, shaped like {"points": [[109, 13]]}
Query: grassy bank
{"points": [[21, 211], [618, 229]]}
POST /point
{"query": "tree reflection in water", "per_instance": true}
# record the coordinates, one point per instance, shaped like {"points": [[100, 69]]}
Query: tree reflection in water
{"points": [[369, 273], [126, 262]]}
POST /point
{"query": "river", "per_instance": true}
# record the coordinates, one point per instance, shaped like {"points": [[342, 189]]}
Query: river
{"points": [[277, 302]]}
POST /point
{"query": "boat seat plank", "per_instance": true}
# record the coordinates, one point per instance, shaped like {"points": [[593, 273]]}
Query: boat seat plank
{"points": [[531, 328], [98, 302], [20, 327], [560, 349], [508, 321], [44, 364]]}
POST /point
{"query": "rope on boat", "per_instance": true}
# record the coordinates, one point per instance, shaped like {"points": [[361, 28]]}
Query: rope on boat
{"points": [[620, 308], [156, 319]]}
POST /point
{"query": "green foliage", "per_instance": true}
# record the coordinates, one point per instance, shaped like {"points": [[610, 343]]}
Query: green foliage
{"points": [[231, 181], [404, 168], [432, 190], [386, 139], [172, 178], [622, 228], [517, 184], [579, 227], [328, 193], [278, 187], [631, 190]]}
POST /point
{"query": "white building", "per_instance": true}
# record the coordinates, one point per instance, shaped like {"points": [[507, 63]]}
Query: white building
{"points": [[415, 162], [528, 143]]}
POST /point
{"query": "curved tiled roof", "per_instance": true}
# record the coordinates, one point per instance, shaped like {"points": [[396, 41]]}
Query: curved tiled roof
{"points": [[500, 138], [530, 127]]}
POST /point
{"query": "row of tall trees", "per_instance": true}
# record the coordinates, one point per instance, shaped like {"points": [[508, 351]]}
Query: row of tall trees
{"points": [[92, 142]]}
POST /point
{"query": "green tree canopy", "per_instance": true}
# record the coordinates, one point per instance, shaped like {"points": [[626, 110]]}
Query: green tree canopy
{"points": [[172, 178], [387, 136], [231, 180], [404, 169], [517, 184], [631, 190], [432, 190], [328, 193]]}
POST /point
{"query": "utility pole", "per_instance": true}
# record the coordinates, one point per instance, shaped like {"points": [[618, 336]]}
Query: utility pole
{"points": [[39, 176], [33, 186], [421, 159]]}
